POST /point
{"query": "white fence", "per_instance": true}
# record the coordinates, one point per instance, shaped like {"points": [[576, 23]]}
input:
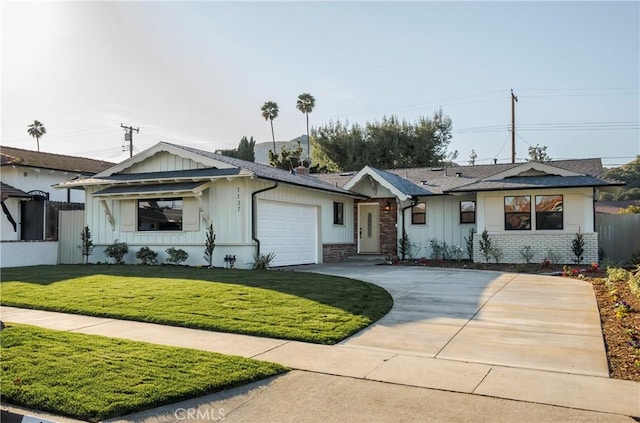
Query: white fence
{"points": [[619, 235], [70, 225]]}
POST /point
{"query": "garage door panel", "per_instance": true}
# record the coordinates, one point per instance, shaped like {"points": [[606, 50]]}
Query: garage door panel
{"points": [[289, 230]]}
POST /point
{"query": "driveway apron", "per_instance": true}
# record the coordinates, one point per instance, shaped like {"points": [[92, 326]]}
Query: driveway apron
{"points": [[514, 320]]}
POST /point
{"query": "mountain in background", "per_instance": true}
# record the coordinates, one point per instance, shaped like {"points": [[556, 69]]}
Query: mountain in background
{"points": [[261, 150]]}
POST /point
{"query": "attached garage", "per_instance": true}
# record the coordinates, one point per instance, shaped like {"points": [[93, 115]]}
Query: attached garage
{"points": [[288, 230]]}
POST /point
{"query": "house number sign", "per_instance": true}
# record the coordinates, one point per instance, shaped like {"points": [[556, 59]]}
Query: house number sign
{"points": [[238, 199]]}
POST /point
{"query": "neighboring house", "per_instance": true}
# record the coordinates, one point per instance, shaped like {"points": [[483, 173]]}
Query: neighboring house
{"points": [[167, 195], [541, 205], [27, 194]]}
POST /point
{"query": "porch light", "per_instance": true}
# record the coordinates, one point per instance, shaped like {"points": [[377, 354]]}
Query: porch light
{"points": [[387, 206]]}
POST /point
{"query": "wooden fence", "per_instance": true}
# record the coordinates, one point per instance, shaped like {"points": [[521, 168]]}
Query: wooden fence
{"points": [[618, 235]]}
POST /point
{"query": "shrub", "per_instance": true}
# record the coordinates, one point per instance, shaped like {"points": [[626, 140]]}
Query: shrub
{"points": [[117, 251], [577, 247], [634, 282], [635, 259], [437, 250], [527, 253], [552, 257], [262, 261], [147, 256], [485, 245], [469, 243], [616, 274], [209, 246], [456, 253], [176, 256], [87, 244], [496, 253]]}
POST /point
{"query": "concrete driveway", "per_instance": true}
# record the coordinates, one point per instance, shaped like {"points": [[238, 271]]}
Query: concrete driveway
{"points": [[513, 320]]}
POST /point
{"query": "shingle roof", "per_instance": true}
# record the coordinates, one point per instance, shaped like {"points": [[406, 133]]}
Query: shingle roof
{"points": [[7, 191], [29, 158], [551, 181], [271, 173], [439, 180], [403, 185]]}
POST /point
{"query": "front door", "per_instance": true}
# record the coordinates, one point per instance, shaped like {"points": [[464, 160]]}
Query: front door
{"points": [[369, 229]]}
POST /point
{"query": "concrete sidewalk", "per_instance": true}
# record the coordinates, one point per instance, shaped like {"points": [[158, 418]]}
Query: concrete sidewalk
{"points": [[577, 391]]}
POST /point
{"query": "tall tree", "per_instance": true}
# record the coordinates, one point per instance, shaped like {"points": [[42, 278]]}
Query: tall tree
{"points": [[245, 150], [388, 144], [472, 157], [36, 130], [538, 154], [305, 104], [270, 112]]}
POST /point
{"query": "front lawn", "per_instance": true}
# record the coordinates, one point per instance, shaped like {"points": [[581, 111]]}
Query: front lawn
{"points": [[278, 304], [93, 378]]}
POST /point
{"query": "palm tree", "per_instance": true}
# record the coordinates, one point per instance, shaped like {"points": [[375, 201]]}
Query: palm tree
{"points": [[270, 112], [36, 130], [305, 104]]}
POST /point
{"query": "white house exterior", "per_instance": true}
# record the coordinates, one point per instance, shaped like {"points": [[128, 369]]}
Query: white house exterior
{"points": [[168, 195], [537, 205]]}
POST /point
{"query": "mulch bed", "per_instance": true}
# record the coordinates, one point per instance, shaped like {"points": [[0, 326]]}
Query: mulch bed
{"points": [[624, 360]]}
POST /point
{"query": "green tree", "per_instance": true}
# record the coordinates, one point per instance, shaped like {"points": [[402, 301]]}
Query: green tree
{"points": [[245, 150], [389, 143], [36, 130], [305, 104], [472, 158], [270, 112], [538, 154]]}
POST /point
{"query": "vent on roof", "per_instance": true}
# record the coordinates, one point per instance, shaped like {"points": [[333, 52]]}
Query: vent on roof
{"points": [[437, 169], [347, 174], [423, 182], [458, 174]]}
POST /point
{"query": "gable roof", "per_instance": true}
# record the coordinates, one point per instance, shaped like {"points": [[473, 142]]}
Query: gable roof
{"points": [[11, 156], [400, 187], [217, 166], [439, 180]]}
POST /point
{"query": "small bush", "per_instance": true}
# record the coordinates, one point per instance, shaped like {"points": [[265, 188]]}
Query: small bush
{"points": [[437, 250], [262, 261], [634, 282], [147, 256], [496, 253], [455, 252], [552, 257], [176, 256], [527, 253], [209, 246], [117, 251], [485, 245], [577, 247], [87, 244], [469, 243], [616, 274]]}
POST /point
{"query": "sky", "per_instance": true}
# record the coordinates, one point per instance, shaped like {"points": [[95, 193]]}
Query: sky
{"points": [[197, 73]]}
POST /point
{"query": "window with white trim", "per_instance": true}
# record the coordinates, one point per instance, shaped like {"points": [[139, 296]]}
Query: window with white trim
{"points": [[160, 214]]}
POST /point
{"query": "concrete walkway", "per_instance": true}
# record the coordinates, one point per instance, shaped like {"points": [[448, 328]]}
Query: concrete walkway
{"points": [[520, 337]]}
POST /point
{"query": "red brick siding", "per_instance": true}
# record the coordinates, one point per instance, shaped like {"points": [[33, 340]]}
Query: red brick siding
{"points": [[337, 252]]}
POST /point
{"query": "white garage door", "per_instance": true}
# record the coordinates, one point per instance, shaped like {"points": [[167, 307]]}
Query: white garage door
{"points": [[290, 231]]}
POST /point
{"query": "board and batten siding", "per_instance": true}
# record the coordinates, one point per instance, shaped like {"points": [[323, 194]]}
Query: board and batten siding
{"points": [[442, 223], [164, 161], [226, 203]]}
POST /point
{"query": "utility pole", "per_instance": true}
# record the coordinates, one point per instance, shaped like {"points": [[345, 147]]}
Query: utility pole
{"points": [[128, 136], [514, 100]]}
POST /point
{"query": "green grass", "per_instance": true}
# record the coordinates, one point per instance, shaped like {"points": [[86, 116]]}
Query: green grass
{"points": [[278, 304], [92, 377]]}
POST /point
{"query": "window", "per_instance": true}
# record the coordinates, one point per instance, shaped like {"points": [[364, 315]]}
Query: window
{"points": [[338, 213], [467, 212], [549, 212], [517, 213], [419, 214], [163, 214]]}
